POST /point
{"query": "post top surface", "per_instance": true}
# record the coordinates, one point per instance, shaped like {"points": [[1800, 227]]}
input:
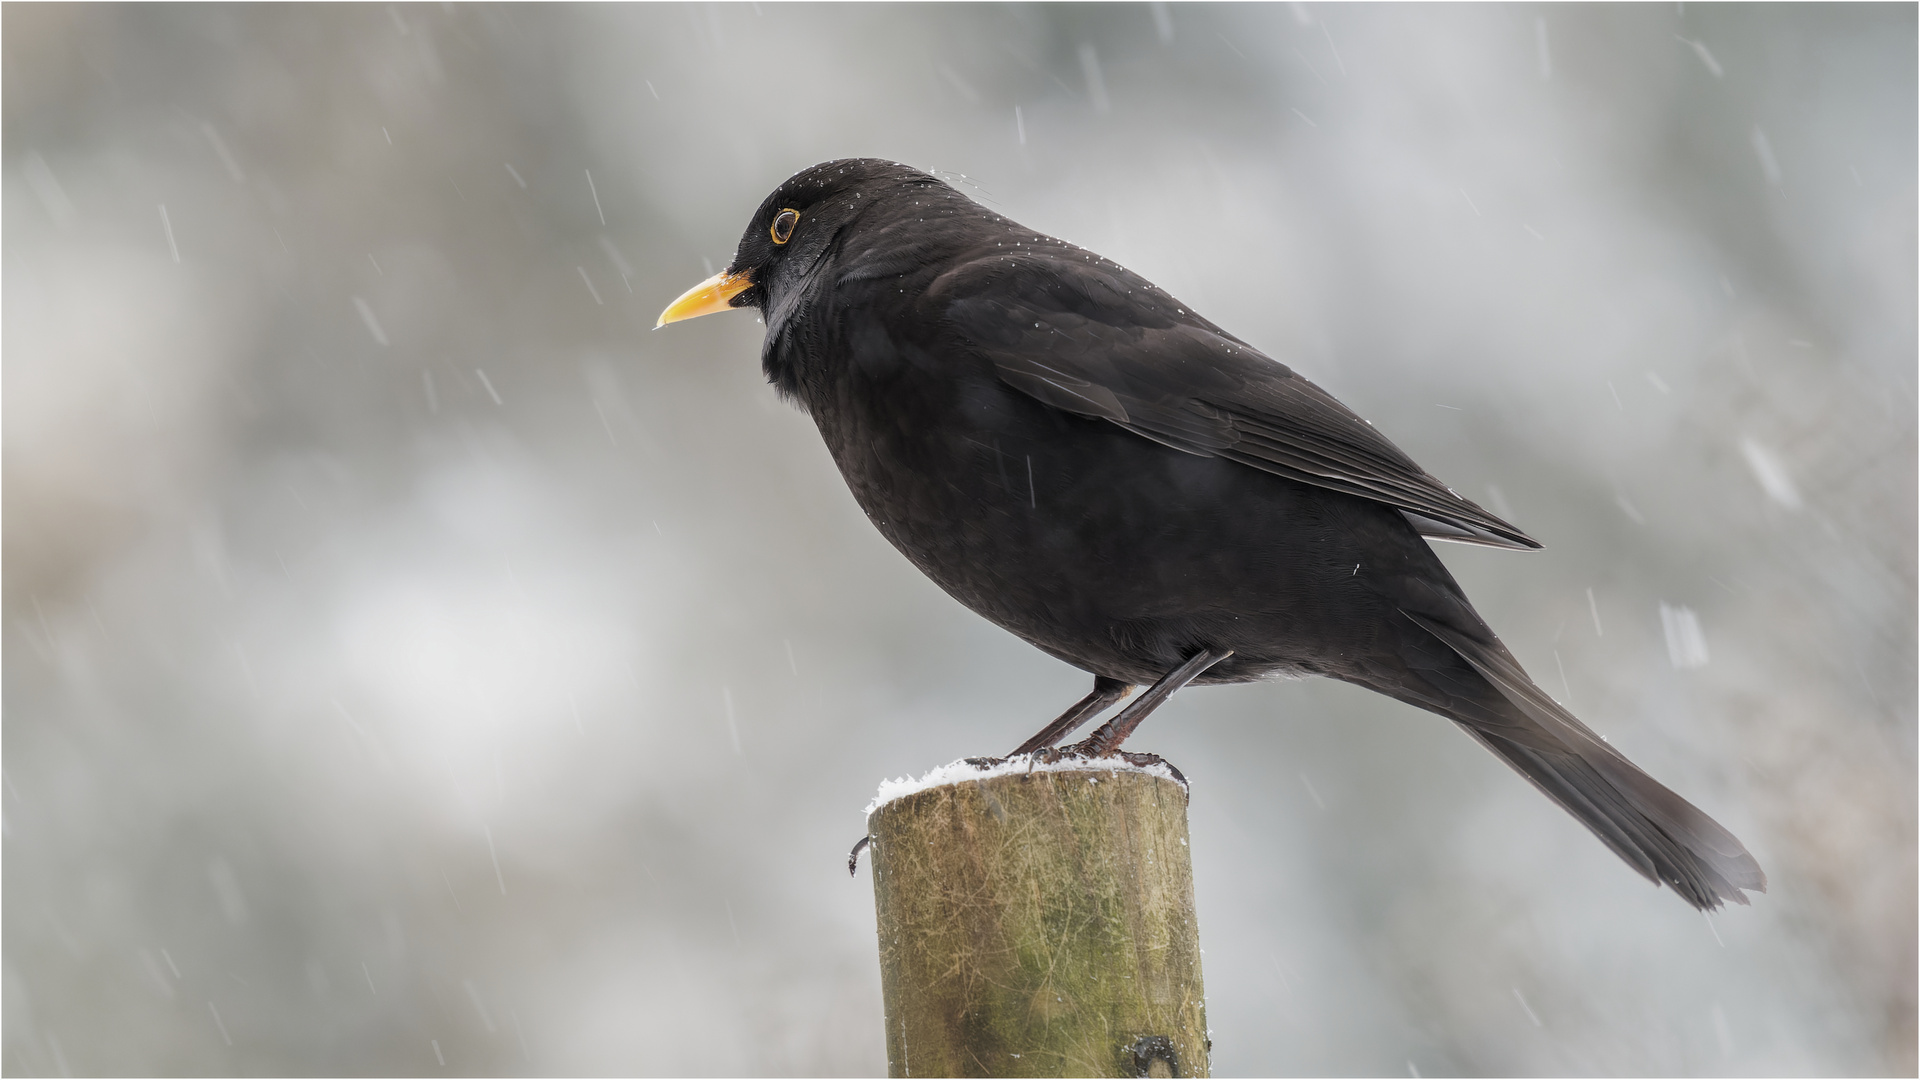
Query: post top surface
{"points": [[967, 769]]}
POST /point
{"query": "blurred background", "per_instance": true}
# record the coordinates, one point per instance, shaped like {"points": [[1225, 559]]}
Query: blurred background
{"points": [[414, 664]]}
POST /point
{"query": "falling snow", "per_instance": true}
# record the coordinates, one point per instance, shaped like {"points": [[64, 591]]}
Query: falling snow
{"points": [[348, 636]]}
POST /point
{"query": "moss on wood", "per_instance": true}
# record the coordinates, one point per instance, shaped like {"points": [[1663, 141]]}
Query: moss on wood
{"points": [[1040, 924]]}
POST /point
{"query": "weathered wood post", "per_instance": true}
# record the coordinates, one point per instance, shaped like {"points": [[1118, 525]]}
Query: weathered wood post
{"points": [[1039, 923]]}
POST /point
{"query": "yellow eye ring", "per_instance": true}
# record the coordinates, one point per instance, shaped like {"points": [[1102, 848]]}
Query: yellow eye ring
{"points": [[783, 223]]}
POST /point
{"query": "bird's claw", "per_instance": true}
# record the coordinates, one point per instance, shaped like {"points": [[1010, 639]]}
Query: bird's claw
{"points": [[853, 857]]}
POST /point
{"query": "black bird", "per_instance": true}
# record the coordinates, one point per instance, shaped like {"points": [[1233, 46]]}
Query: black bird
{"points": [[1078, 456]]}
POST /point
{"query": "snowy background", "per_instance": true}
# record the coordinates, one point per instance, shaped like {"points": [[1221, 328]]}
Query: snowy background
{"points": [[415, 664]]}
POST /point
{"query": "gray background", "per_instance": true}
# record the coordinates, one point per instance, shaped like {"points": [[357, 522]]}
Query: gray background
{"points": [[407, 647]]}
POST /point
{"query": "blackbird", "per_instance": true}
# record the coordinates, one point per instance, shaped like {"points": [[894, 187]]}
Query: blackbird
{"points": [[1076, 455]]}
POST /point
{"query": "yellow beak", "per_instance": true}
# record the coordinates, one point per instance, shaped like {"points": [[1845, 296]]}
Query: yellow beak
{"points": [[706, 298]]}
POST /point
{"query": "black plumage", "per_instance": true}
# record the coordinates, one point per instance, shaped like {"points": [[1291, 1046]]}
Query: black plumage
{"points": [[1079, 457]]}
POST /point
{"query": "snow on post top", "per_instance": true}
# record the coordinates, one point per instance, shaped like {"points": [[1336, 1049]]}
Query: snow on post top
{"points": [[956, 771]]}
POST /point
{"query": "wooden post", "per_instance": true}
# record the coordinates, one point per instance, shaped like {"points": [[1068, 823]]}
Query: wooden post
{"points": [[1040, 924]]}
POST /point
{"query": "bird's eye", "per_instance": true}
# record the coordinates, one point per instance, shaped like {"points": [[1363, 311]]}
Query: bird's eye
{"points": [[783, 225]]}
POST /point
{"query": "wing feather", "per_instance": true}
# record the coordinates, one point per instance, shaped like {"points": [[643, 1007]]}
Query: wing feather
{"points": [[1093, 339]]}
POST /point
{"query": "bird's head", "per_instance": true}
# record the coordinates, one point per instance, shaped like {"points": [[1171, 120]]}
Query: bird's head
{"points": [[793, 228]]}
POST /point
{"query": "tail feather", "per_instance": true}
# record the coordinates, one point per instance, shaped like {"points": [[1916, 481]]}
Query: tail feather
{"points": [[1657, 832]]}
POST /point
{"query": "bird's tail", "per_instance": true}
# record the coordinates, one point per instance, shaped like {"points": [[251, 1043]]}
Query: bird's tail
{"points": [[1657, 832]]}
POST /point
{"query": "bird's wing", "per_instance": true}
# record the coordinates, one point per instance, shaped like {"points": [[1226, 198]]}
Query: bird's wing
{"points": [[1091, 338]]}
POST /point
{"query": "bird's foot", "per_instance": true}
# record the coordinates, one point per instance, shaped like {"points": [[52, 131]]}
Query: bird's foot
{"points": [[1084, 751], [1090, 748], [1090, 751]]}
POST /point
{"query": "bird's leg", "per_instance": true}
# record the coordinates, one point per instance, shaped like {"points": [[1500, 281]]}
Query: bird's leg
{"points": [[1105, 692], [1111, 734]]}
